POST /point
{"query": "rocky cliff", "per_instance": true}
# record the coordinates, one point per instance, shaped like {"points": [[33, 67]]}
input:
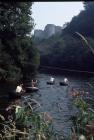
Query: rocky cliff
{"points": [[49, 30]]}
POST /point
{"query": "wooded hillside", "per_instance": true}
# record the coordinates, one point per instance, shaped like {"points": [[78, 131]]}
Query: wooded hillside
{"points": [[69, 50]]}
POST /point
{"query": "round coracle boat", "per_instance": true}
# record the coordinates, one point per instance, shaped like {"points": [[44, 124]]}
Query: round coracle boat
{"points": [[50, 83], [31, 89], [63, 84], [14, 94]]}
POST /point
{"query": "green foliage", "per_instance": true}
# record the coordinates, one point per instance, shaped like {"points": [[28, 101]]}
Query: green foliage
{"points": [[67, 52], [83, 119], [27, 125], [81, 104], [83, 22], [39, 127], [16, 51]]}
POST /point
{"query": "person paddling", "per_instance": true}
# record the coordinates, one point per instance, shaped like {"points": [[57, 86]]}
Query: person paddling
{"points": [[19, 88], [34, 83], [52, 79], [66, 80]]}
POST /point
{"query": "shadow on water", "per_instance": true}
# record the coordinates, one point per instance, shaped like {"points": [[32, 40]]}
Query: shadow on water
{"points": [[5, 88]]}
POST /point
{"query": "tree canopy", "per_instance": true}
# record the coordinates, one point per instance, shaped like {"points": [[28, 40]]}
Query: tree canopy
{"points": [[16, 50]]}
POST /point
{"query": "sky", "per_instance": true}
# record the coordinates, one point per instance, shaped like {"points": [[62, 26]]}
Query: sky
{"points": [[56, 13]]}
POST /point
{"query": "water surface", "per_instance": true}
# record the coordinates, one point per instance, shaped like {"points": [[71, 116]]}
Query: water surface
{"points": [[54, 99]]}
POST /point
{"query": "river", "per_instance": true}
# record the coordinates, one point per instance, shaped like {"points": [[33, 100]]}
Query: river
{"points": [[54, 99]]}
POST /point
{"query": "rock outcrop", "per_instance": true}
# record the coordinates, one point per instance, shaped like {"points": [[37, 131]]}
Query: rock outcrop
{"points": [[50, 29]]}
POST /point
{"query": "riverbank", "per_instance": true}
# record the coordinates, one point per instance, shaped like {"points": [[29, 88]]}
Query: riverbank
{"points": [[72, 72]]}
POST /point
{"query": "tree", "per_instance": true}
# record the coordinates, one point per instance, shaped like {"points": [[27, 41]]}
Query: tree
{"points": [[16, 25], [82, 23]]}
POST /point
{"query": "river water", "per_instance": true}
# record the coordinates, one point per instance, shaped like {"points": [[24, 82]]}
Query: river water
{"points": [[54, 99]]}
